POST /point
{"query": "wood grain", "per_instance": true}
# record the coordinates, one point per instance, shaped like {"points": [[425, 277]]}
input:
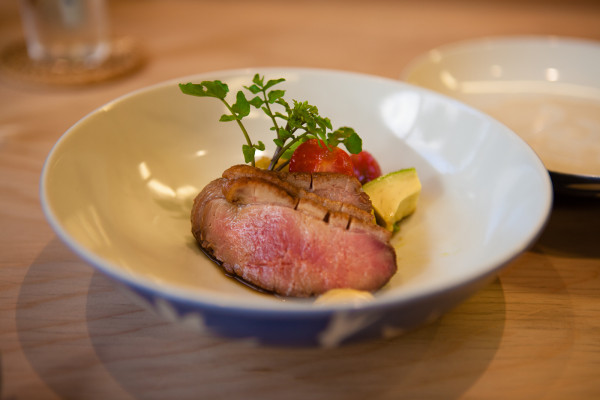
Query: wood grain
{"points": [[67, 332]]}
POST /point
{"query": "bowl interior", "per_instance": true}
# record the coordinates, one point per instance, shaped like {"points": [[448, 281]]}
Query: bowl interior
{"points": [[119, 185], [546, 89]]}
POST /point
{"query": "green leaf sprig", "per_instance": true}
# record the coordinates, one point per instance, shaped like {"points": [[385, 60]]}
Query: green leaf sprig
{"points": [[293, 124]]}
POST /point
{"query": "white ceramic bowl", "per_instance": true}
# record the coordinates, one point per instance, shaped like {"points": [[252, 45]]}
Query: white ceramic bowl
{"points": [[546, 89], [118, 187]]}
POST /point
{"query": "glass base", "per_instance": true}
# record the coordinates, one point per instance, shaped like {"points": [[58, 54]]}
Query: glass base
{"points": [[124, 58]]}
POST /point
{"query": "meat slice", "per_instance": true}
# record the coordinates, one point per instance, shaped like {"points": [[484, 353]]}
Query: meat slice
{"points": [[282, 238], [342, 188], [252, 191]]}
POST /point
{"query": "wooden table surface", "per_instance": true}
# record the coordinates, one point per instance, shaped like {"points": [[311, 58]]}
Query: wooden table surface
{"points": [[67, 333]]}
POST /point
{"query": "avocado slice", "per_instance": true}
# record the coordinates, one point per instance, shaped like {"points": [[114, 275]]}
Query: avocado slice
{"points": [[394, 196]]}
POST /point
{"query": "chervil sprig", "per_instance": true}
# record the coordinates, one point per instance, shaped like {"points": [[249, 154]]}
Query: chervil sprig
{"points": [[293, 124], [238, 110]]}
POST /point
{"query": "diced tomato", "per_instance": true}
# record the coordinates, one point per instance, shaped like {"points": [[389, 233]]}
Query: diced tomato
{"points": [[311, 156], [366, 167]]}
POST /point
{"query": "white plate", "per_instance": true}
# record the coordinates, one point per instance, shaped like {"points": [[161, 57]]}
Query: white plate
{"points": [[547, 89], [118, 187]]}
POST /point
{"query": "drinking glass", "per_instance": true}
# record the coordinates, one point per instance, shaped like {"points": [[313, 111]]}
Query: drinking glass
{"points": [[72, 31]]}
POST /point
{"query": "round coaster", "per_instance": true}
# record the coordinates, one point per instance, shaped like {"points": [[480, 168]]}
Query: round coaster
{"points": [[125, 57]]}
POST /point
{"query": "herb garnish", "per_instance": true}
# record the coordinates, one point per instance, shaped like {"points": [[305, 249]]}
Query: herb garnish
{"points": [[298, 122]]}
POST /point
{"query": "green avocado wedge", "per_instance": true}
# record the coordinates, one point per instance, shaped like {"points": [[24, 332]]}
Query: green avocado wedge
{"points": [[394, 196]]}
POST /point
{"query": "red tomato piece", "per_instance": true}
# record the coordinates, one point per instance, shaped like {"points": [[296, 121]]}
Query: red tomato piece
{"points": [[312, 157], [366, 167]]}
